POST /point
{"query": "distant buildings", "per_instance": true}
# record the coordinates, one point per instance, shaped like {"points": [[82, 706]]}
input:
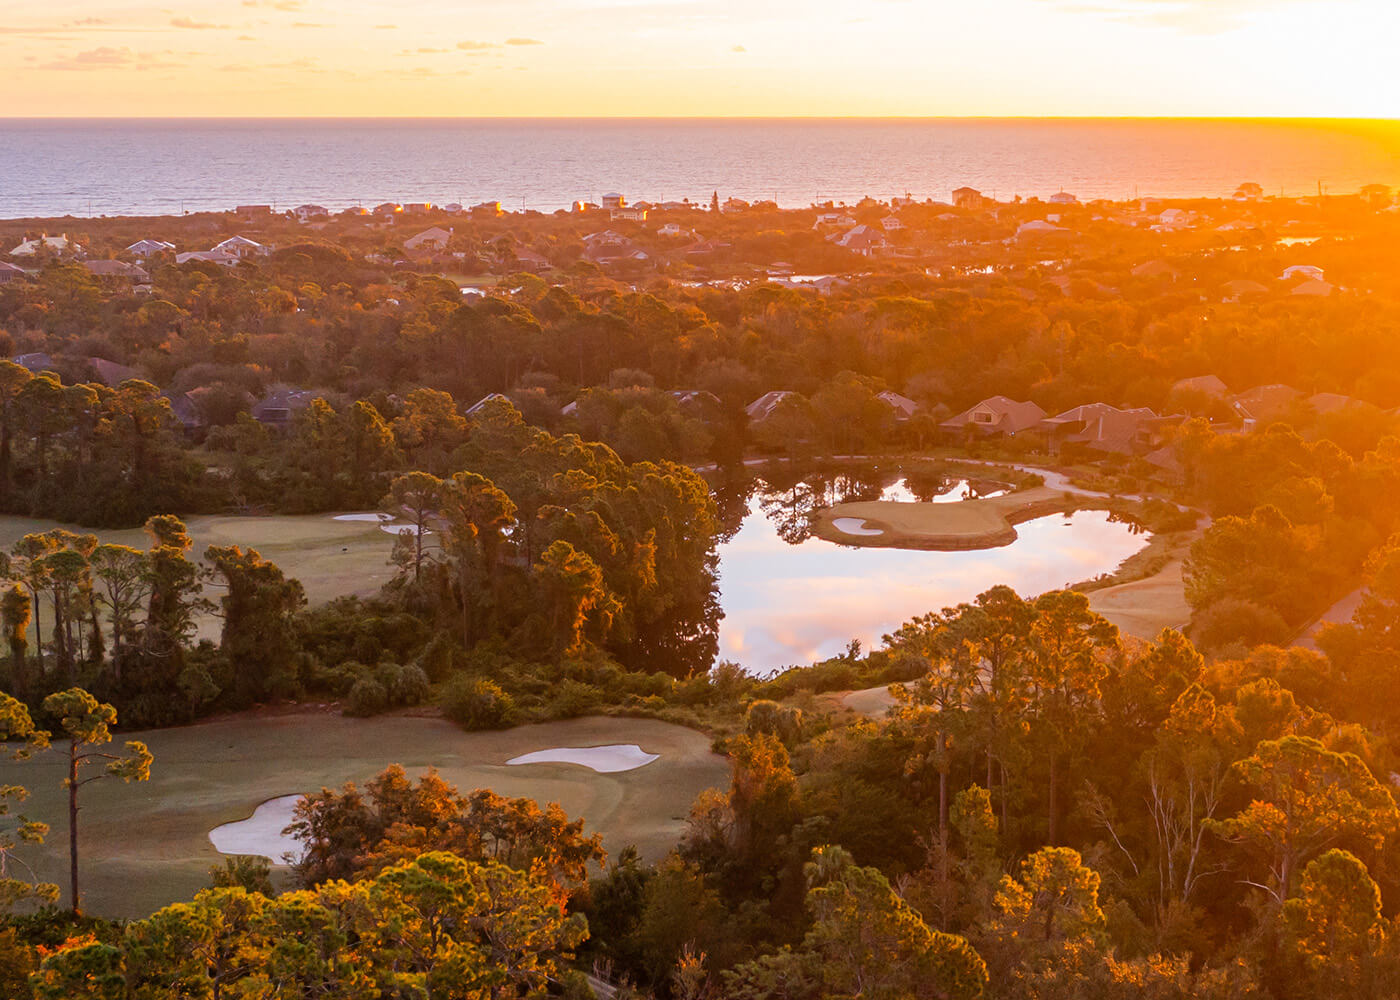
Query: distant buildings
{"points": [[142, 249], [996, 415], [435, 238], [55, 244], [968, 198], [208, 257], [240, 247], [309, 213], [9, 272]]}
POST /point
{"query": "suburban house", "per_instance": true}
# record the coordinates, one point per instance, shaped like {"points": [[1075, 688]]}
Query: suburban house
{"points": [[1105, 428], [903, 406], [827, 220], [695, 402], [1173, 219], [207, 256], [490, 208], [34, 363], [762, 408], [187, 414], [306, 213], [111, 373], [142, 249], [1063, 197], [8, 272], [1307, 271], [1040, 229], [996, 415], [1313, 287], [968, 198], [480, 404], [891, 224], [435, 238], [1241, 288], [252, 211], [57, 244], [1263, 405], [530, 260], [280, 405], [864, 240], [608, 247], [1206, 385], [241, 247], [118, 269], [1156, 269], [387, 210], [671, 229], [1331, 402]]}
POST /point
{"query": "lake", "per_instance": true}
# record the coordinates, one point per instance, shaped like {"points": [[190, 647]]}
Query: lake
{"points": [[791, 598]]}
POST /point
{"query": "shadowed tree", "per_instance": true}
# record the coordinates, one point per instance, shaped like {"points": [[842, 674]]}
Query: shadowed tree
{"points": [[85, 723]]}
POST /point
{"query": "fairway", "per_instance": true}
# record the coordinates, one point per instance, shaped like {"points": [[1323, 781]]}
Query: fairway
{"points": [[146, 845], [331, 558]]}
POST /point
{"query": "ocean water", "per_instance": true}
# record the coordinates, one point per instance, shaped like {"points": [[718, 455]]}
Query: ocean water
{"points": [[51, 167]]}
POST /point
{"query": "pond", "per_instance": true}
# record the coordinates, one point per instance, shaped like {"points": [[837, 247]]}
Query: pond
{"points": [[791, 598]]}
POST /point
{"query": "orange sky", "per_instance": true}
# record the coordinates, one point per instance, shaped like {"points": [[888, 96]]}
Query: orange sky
{"points": [[700, 57]]}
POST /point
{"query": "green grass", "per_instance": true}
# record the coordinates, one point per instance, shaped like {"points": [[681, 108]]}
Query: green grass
{"points": [[146, 845], [331, 558]]}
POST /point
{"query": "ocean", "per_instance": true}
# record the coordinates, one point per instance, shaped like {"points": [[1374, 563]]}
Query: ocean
{"points": [[82, 167]]}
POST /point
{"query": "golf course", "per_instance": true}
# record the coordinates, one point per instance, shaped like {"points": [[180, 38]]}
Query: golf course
{"points": [[147, 844]]}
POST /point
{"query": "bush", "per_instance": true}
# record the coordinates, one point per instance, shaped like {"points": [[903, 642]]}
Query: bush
{"points": [[368, 697], [1233, 620], [477, 703], [764, 716], [407, 685]]}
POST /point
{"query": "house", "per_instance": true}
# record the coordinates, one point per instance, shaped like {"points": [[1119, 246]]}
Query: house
{"points": [[240, 247], [1105, 428], [56, 244], [614, 200], [609, 247], [142, 249], [252, 211], [633, 214], [417, 207], [1063, 197], [1175, 218], [1263, 405], [704, 248], [387, 210], [186, 413], [838, 220], [8, 272], [695, 402], [208, 256], [996, 415], [118, 269], [903, 406], [968, 198], [1330, 402], [1307, 271], [762, 408], [306, 213], [280, 405], [1205, 385], [480, 404], [891, 224], [1040, 229], [530, 260], [864, 240], [1313, 287], [732, 205], [34, 363], [673, 230], [111, 373], [435, 238], [1156, 269], [1241, 288]]}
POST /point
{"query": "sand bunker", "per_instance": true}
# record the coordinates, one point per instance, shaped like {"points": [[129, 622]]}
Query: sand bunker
{"points": [[855, 526], [604, 760], [372, 518], [261, 833]]}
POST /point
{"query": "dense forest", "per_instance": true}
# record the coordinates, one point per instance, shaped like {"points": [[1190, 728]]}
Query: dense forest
{"points": [[1051, 809]]}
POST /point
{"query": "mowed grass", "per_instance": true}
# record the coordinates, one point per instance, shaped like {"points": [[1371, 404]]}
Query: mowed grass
{"points": [[331, 558], [147, 844]]}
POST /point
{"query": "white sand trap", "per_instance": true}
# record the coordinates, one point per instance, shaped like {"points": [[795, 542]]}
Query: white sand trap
{"points": [[261, 833], [854, 526], [372, 518], [604, 760]]}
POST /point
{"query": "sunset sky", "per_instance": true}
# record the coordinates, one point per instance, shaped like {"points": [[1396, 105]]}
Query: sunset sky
{"points": [[700, 57]]}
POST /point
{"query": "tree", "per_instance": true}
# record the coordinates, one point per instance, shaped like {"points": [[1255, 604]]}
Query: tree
{"points": [[1055, 897], [123, 573], [1335, 925], [575, 594], [85, 723], [1309, 797], [475, 515], [259, 639], [15, 616], [416, 497], [16, 727]]}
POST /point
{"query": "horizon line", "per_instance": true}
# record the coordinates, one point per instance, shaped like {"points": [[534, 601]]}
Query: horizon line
{"points": [[728, 118]]}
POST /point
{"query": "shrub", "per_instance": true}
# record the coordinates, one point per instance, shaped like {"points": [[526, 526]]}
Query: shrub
{"points": [[477, 703], [367, 697]]}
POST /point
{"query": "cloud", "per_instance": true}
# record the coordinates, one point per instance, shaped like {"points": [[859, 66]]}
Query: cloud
{"points": [[738, 48], [235, 68], [470, 46], [189, 22], [108, 57], [386, 27], [246, 38], [1198, 17], [287, 5], [523, 41], [308, 24]]}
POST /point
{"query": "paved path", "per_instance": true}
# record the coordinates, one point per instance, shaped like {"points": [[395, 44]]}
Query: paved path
{"points": [[1339, 613]]}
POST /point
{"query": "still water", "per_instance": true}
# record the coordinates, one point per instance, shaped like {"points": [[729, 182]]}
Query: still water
{"points": [[792, 598]]}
